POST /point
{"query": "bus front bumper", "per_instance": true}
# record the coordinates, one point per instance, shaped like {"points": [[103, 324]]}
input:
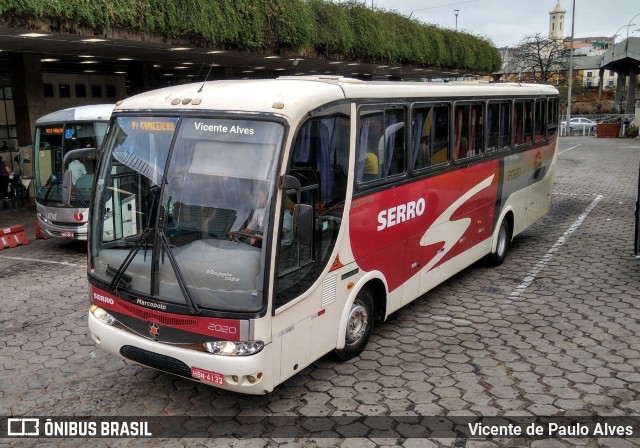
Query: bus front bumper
{"points": [[51, 230], [245, 374]]}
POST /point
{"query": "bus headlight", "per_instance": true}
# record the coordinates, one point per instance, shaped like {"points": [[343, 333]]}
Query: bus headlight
{"points": [[42, 217], [102, 315], [230, 348]]}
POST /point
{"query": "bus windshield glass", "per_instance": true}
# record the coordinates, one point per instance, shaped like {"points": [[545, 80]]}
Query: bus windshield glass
{"points": [[52, 142], [180, 209]]}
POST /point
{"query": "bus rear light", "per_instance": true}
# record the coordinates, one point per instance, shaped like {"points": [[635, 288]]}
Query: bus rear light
{"points": [[231, 348], [102, 315]]}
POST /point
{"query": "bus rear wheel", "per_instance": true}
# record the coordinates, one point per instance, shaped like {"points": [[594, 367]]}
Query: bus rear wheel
{"points": [[359, 326], [502, 246]]}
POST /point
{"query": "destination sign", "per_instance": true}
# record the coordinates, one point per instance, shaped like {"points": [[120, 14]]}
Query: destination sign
{"points": [[153, 125], [54, 131]]}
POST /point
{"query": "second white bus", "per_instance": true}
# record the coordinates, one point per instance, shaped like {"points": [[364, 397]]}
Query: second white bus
{"points": [[67, 141]]}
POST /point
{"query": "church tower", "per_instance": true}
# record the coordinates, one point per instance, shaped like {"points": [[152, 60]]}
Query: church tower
{"points": [[556, 22]]}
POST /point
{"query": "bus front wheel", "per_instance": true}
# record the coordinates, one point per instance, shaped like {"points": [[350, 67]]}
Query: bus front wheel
{"points": [[359, 326], [502, 245]]}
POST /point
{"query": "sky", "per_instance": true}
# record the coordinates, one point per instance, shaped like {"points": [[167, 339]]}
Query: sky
{"points": [[507, 22]]}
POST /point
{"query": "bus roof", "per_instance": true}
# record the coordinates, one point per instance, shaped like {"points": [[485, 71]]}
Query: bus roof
{"points": [[283, 95], [93, 112]]}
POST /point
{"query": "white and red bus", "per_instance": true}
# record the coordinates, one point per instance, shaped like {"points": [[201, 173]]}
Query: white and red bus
{"points": [[66, 142], [241, 230]]}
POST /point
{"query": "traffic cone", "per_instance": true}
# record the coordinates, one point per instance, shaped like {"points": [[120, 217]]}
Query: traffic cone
{"points": [[39, 233]]}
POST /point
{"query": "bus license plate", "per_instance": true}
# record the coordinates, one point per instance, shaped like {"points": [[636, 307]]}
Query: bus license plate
{"points": [[207, 375], [67, 234]]}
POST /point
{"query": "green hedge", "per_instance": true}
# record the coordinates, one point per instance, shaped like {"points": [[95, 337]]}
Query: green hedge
{"points": [[337, 30]]}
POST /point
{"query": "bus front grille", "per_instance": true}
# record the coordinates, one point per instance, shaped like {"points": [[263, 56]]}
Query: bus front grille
{"points": [[68, 223], [156, 361]]}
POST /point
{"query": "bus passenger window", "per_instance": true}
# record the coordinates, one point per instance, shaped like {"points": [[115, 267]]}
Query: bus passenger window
{"points": [[528, 123], [430, 136], [523, 122], [498, 120], [493, 122], [539, 119], [552, 117], [469, 133], [381, 135]]}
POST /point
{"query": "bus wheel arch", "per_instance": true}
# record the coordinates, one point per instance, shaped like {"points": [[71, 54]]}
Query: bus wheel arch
{"points": [[502, 240], [359, 315]]}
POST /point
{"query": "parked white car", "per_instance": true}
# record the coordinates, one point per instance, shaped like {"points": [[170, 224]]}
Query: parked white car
{"points": [[580, 125]]}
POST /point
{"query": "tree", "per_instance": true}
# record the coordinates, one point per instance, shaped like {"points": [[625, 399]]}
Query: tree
{"points": [[538, 59]]}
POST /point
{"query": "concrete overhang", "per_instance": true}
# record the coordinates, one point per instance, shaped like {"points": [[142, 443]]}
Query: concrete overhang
{"points": [[77, 50], [622, 56]]}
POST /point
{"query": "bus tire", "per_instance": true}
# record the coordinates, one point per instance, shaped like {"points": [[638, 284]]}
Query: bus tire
{"points": [[359, 326], [502, 245]]}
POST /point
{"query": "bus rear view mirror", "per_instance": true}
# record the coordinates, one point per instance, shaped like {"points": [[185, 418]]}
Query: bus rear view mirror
{"points": [[302, 223]]}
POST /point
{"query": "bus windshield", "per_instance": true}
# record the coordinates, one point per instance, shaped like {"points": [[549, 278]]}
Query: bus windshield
{"points": [[181, 206], [52, 142]]}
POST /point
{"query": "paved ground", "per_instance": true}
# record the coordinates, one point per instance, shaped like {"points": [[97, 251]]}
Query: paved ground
{"points": [[553, 331]]}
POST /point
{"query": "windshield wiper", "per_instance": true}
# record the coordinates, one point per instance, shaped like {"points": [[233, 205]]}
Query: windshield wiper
{"points": [[45, 200], [148, 230], [79, 196], [193, 306], [129, 258]]}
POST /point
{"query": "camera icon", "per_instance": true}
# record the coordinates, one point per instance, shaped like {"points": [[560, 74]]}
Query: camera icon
{"points": [[20, 427]]}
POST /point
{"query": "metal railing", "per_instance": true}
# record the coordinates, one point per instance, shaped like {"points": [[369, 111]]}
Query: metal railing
{"points": [[583, 132], [623, 119], [609, 118]]}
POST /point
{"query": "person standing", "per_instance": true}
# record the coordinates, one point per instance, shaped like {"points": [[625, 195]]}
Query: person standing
{"points": [[4, 180]]}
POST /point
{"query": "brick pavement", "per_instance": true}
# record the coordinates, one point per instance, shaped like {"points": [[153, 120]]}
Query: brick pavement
{"points": [[554, 330]]}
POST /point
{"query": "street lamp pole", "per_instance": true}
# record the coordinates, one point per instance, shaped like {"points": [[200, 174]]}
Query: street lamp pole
{"points": [[456, 11], [631, 24], [573, 17]]}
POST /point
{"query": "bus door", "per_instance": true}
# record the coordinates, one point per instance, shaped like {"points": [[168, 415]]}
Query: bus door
{"points": [[319, 164], [48, 159]]}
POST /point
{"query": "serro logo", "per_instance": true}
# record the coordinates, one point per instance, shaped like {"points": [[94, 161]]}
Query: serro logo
{"points": [[101, 298], [401, 213], [222, 328]]}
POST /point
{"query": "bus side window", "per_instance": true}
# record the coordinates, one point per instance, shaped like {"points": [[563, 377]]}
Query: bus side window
{"points": [[539, 119], [430, 136], [552, 117], [469, 135], [518, 126], [382, 137], [523, 122], [369, 131], [493, 126], [498, 120]]}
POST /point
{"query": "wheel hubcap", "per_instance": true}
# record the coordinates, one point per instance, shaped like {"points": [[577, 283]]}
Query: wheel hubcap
{"points": [[357, 324]]}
